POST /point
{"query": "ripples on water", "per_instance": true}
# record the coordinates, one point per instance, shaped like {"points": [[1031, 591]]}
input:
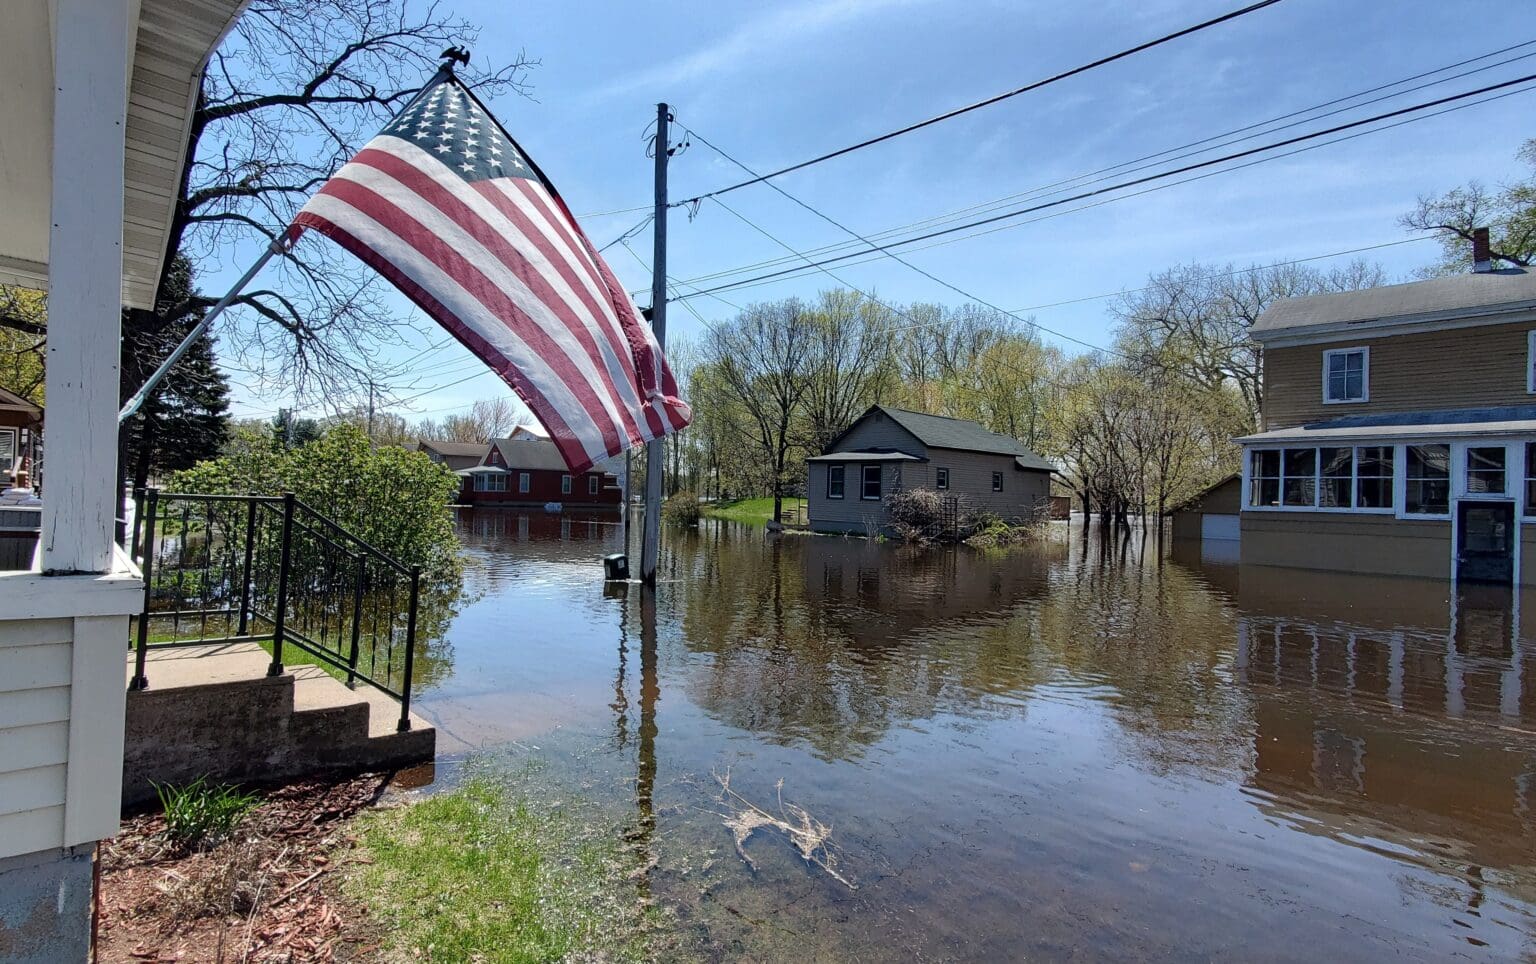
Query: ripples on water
{"points": [[1063, 752]]}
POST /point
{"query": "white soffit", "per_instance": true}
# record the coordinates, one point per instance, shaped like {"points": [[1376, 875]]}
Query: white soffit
{"points": [[173, 41]]}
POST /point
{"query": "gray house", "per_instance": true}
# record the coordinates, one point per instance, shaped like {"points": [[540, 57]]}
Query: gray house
{"points": [[890, 449]]}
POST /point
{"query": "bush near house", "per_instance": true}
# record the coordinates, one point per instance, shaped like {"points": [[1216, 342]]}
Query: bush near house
{"points": [[682, 509], [918, 515], [388, 497]]}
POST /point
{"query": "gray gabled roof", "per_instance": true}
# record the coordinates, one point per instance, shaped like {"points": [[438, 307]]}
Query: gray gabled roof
{"points": [[943, 432], [478, 450], [1438, 299]]}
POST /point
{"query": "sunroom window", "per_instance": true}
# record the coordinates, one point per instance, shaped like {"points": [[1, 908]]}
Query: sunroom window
{"points": [[1264, 478], [1428, 475], [1342, 477], [1299, 483], [1485, 470], [1373, 476], [1530, 478], [1338, 478]]}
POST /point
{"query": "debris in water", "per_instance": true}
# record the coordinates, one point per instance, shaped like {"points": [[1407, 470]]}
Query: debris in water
{"points": [[809, 835]]}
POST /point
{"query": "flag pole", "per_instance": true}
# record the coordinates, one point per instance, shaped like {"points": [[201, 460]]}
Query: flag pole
{"points": [[649, 548], [141, 396]]}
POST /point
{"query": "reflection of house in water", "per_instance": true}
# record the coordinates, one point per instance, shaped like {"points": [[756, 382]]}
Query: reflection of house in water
{"points": [[876, 593], [1388, 710]]}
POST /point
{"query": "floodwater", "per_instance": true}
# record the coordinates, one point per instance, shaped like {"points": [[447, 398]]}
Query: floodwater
{"points": [[1065, 752]]}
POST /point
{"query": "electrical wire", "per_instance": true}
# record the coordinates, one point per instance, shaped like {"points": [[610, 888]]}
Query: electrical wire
{"points": [[1301, 138], [1104, 173], [956, 112]]}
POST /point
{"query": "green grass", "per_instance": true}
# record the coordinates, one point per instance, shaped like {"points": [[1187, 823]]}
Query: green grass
{"points": [[751, 511], [480, 874]]}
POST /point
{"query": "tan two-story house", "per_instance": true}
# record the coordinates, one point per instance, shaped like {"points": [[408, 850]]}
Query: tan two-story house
{"points": [[1398, 432]]}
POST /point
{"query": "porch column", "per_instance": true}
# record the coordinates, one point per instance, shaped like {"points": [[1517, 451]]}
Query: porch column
{"points": [[92, 40]]}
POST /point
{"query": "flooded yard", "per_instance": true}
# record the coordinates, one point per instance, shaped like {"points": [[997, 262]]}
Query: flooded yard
{"points": [[1064, 752]]}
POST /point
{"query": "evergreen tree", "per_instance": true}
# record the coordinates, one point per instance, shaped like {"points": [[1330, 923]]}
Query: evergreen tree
{"points": [[186, 419]]}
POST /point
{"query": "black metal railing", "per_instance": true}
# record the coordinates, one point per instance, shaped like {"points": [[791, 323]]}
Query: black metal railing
{"points": [[273, 570]]}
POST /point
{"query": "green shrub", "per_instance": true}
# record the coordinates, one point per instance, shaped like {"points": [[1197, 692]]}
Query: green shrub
{"points": [[682, 509], [390, 498], [200, 814]]}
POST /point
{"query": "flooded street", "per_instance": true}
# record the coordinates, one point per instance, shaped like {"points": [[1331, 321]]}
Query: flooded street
{"points": [[1062, 753]]}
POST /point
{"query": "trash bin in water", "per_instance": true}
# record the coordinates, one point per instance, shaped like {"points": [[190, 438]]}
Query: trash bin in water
{"points": [[616, 566]]}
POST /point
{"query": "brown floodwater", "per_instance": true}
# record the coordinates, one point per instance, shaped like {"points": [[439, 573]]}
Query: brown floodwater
{"points": [[1065, 752]]}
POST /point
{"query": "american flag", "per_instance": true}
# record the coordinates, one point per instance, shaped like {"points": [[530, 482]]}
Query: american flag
{"points": [[448, 208]]}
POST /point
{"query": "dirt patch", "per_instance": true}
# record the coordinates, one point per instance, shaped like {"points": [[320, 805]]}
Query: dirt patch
{"points": [[265, 894]]}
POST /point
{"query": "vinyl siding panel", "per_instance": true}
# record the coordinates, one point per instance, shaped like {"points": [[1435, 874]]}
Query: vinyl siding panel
{"points": [[880, 431], [1339, 542], [970, 478], [1435, 370], [851, 513]]}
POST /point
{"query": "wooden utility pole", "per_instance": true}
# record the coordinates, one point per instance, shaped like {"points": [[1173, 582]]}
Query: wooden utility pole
{"points": [[654, 454]]}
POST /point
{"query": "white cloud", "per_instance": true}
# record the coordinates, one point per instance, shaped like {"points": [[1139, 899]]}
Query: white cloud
{"points": [[749, 43]]}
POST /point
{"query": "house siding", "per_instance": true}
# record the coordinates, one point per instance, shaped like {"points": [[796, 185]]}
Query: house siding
{"points": [[1463, 368], [851, 513], [544, 486], [1380, 544], [1025, 494], [879, 431]]}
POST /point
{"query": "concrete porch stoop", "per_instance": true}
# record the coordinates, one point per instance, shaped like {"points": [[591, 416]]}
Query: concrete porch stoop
{"points": [[213, 711]]}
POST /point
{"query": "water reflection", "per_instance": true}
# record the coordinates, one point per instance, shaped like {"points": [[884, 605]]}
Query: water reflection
{"points": [[1051, 752]]}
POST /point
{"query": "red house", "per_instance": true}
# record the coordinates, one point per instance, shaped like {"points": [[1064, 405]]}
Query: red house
{"points": [[530, 471]]}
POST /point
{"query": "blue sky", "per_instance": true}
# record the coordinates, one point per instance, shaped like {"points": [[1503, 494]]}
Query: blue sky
{"points": [[775, 83]]}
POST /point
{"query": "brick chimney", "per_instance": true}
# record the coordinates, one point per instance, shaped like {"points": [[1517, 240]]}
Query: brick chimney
{"points": [[1482, 261]]}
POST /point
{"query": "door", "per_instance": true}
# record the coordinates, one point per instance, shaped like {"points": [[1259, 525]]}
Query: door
{"points": [[1485, 539]]}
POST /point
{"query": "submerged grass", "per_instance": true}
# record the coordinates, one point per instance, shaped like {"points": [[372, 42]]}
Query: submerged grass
{"points": [[480, 873], [750, 511]]}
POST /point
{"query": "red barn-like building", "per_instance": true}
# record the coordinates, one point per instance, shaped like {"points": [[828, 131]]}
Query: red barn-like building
{"points": [[530, 471]]}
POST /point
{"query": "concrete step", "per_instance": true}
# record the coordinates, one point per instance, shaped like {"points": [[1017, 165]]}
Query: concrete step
{"points": [[212, 711]]}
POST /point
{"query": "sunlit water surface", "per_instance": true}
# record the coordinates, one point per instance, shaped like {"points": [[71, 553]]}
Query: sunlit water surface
{"points": [[1066, 752]]}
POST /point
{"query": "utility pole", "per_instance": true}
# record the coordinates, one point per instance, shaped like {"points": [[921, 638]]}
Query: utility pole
{"points": [[654, 455], [370, 409]]}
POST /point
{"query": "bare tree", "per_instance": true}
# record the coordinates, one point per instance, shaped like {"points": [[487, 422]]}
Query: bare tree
{"points": [[850, 363], [763, 360], [1509, 212], [293, 93]]}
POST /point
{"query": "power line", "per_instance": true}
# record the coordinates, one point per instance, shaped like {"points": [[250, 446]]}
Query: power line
{"points": [[636, 229], [947, 115], [1301, 138], [1103, 173]]}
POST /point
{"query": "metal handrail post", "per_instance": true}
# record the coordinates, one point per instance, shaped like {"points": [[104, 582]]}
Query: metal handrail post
{"points": [[140, 681], [285, 557], [410, 651], [357, 619], [245, 578]]}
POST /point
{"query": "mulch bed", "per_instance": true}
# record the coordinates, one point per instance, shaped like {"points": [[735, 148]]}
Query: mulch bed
{"points": [[267, 894]]}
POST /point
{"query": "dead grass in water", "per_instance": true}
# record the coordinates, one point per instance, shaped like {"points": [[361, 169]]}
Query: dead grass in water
{"points": [[810, 837]]}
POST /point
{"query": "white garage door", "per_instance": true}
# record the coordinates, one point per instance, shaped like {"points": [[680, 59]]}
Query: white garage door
{"points": [[1218, 527]]}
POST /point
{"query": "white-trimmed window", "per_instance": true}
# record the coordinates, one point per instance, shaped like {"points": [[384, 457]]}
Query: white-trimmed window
{"points": [[524, 481], [870, 483], [1486, 469], [8, 456], [941, 479], [835, 481], [1335, 478], [997, 481], [565, 485], [490, 482], [1530, 479], [1373, 476], [1427, 477], [592, 485], [1346, 375]]}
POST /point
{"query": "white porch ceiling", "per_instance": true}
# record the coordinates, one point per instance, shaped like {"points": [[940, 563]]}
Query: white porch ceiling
{"points": [[173, 41]]}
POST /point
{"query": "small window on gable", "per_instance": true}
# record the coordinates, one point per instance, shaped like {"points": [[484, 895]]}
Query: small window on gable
{"points": [[1346, 375], [941, 480]]}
